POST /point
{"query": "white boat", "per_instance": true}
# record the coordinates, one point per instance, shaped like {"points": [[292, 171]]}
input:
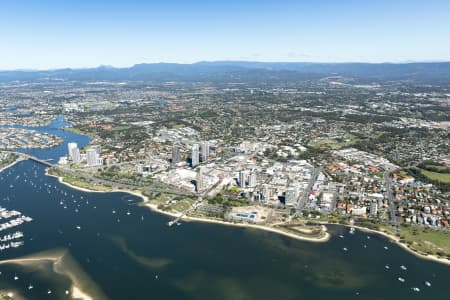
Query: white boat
{"points": [[387, 267], [416, 289], [49, 292], [427, 283], [403, 268], [16, 277], [78, 227], [341, 236], [30, 287], [386, 248], [345, 249], [401, 279]]}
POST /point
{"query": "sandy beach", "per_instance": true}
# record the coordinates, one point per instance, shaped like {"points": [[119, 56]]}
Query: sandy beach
{"points": [[154, 207], [55, 259], [396, 240], [325, 238]]}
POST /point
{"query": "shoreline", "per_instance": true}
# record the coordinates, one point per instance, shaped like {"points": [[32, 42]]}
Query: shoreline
{"points": [[325, 238], [76, 291], [154, 208], [396, 240], [19, 159]]}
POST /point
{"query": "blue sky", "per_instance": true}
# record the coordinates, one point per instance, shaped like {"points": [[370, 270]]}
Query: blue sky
{"points": [[44, 34]]}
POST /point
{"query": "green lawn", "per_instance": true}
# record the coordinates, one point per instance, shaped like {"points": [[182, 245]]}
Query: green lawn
{"points": [[442, 177], [121, 128], [426, 240], [178, 126], [80, 182], [182, 205], [334, 144]]}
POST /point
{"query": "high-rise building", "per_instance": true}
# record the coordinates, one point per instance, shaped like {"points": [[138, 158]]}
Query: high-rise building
{"points": [[97, 149], [199, 179], [93, 158], [265, 193], [373, 208], [252, 179], [205, 151], [243, 177], [70, 148], [291, 196], [195, 155], [175, 154], [76, 156], [74, 152], [140, 168]]}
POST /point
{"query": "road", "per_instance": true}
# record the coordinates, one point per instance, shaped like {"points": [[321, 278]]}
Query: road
{"points": [[304, 199], [392, 206], [116, 184]]}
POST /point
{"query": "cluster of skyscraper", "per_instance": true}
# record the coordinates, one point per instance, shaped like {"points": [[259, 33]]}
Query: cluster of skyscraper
{"points": [[92, 156], [195, 157], [247, 179]]}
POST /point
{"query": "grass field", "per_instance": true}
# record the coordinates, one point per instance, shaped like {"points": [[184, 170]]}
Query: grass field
{"points": [[425, 240], [178, 126], [442, 177], [121, 128], [80, 182], [334, 144], [182, 205]]}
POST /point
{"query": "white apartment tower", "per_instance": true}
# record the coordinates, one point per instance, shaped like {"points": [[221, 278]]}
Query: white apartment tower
{"points": [[74, 152], [195, 155], [205, 151]]}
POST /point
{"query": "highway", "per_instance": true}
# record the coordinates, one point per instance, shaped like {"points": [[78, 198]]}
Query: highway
{"points": [[113, 183], [392, 208], [304, 199]]}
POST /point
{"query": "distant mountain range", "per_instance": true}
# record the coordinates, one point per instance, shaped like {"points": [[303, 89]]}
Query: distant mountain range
{"points": [[243, 71]]}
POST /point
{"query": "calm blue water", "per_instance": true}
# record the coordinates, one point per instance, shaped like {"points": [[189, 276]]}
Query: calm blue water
{"points": [[127, 252]]}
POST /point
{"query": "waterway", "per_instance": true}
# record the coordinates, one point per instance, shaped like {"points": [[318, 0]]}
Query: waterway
{"points": [[116, 249]]}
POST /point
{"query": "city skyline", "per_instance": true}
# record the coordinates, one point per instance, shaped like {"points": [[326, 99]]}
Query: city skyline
{"points": [[82, 34]]}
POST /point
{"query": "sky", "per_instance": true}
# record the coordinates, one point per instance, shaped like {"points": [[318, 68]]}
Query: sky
{"points": [[49, 34]]}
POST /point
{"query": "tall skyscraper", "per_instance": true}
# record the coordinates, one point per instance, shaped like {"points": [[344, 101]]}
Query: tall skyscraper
{"points": [[252, 179], [205, 151], [175, 154], [243, 175], [199, 179], [92, 158], [265, 193], [70, 148], [97, 149], [195, 155], [76, 156], [291, 196], [74, 152]]}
